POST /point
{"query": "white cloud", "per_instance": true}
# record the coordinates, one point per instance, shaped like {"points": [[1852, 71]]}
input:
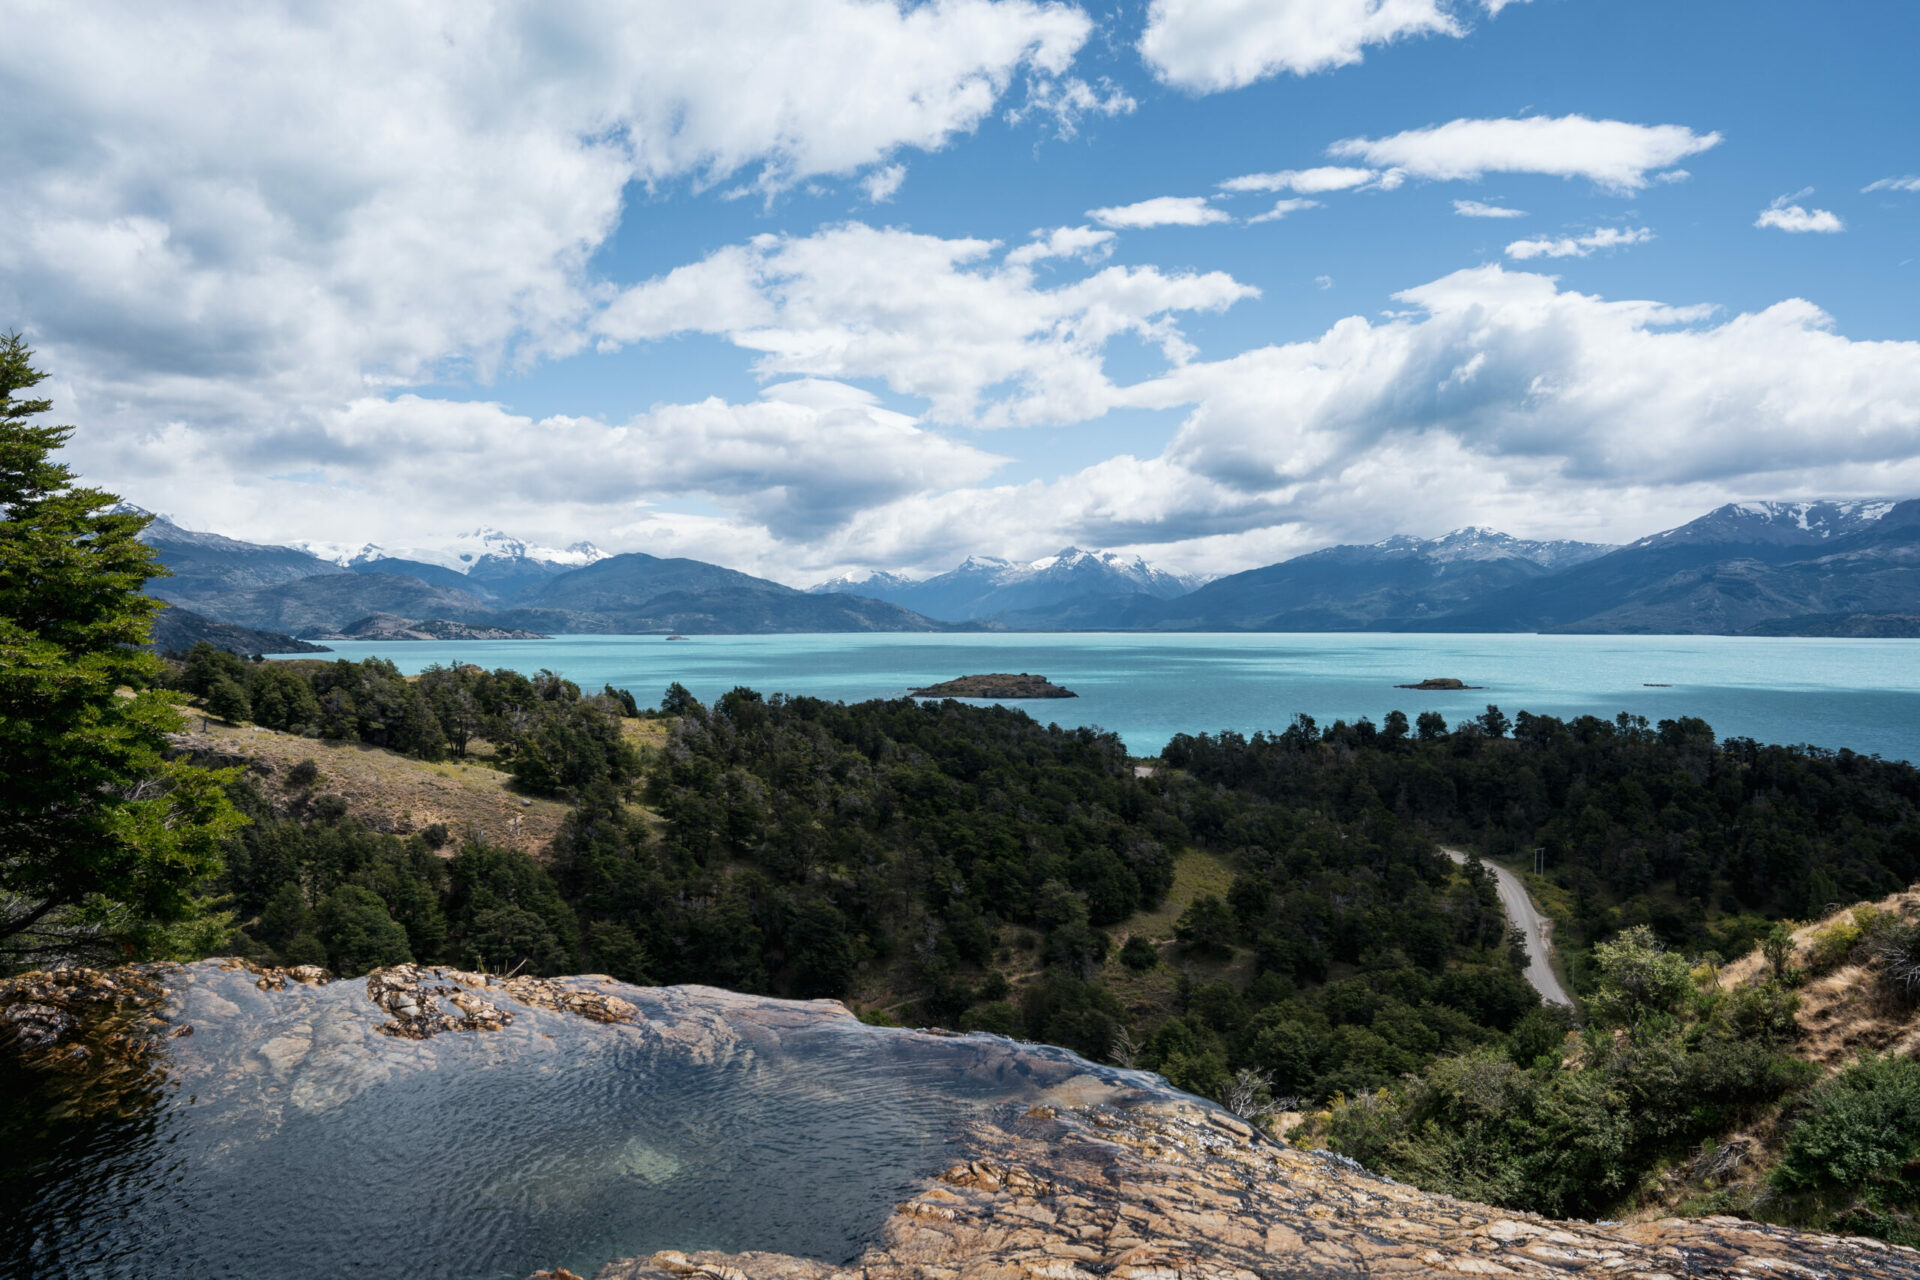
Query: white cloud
{"points": [[1579, 246], [236, 218], [1070, 100], [1613, 153], [1475, 209], [1304, 181], [1783, 216], [1281, 208], [883, 184], [1909, 183], [831, 305], [799, 461], [1324, 282], [1206, 46], [1552, 387], [1670, 176], [1161, 211], [1088, 244]]}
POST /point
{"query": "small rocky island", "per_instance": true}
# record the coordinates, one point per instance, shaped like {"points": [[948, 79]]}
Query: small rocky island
{"points": [[1439, 683], [997, 685]]}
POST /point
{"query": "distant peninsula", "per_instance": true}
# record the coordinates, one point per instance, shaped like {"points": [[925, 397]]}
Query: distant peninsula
{"points": [[1440, 682], [997, 685]]}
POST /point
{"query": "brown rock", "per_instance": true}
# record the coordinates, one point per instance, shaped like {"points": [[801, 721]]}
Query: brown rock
{"points": [[1177, 1191]]}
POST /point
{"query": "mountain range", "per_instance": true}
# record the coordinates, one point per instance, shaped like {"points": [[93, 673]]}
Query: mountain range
{"points": [[1762, 568], [986, 586]]}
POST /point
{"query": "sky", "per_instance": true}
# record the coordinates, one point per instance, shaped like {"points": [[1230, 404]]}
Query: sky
{"points": [[812, 286]]}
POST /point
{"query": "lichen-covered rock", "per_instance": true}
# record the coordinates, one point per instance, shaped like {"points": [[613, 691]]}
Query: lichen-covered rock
{"points": [[596, 1006], [1175, 1191]]}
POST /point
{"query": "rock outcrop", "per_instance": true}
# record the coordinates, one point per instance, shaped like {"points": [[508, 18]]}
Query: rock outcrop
{"points": [[1173, 1190], [1026, 1162]]}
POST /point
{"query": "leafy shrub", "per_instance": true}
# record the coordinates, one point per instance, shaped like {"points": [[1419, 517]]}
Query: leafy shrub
{"points": [[1139, 954], [1853, 1158]]}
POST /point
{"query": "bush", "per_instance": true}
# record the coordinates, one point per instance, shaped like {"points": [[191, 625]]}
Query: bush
{"points": [[1854, 1155], [304, 774], [1139, 954]]}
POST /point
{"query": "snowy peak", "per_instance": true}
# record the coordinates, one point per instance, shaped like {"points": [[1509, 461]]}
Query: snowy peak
{"points": [[1776, 523], [491, 544], [981, 586], [860, 582], [1479, 543], [462, 553]]}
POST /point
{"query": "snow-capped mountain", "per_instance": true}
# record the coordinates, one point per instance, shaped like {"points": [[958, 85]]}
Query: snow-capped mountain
{"points": [[1784, 524], [861, 582], [982, 586], [460, 553], [1479, 543]]}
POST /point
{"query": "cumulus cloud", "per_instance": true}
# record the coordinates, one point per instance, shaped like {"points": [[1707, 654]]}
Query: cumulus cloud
{"points": [[1206, 46], [1579, 246], [883, 184], [1499, 398], [1909, 183], [1281, 208], [1475, 209], [1783, 216], [224, 218], [1306, 181], [1161, 211], [1085, 243], [1516, 370], [799, 461], [981, 342], [1613, 153]]}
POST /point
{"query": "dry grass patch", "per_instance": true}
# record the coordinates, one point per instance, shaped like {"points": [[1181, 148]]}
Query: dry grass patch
{"points": [[1844, 1009], [1195, 872], [388, 791]]}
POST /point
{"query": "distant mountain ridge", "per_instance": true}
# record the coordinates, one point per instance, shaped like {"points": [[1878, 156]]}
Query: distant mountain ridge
{"points": [[984, 587], [1847, 568]]}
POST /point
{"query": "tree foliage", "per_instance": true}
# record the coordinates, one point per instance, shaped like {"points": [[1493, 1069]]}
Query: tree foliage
{"points": [[104, 842]]}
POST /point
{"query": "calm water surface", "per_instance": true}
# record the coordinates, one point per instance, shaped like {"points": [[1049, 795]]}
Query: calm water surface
{"points": [[1862, 694], [292, 1140]]}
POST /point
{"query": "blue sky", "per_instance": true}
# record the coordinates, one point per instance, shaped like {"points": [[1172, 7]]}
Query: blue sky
{"points": [[758, 282]]}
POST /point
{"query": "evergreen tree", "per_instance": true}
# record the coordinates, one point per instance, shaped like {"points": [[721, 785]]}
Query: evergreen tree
{"points": [[103, 841]]}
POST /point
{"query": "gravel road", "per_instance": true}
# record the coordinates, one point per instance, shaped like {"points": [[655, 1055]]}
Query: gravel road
{"points": [[1537, 928]]}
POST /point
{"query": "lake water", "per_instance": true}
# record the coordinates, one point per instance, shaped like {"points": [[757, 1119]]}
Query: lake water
{"points": [[1862, 694]]}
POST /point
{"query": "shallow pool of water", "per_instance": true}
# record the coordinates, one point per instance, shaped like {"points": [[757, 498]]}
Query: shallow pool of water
{"points": [[294, 1140]]}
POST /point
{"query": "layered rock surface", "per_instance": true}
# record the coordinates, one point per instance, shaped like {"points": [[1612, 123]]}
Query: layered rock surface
{"points": [[1170, 1190]]}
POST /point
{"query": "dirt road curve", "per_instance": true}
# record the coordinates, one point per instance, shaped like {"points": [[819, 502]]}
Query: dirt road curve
{"points": [[1536, 927]]}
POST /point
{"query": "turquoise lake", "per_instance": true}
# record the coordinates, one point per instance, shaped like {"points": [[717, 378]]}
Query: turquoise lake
{"points": [[1860, 694]]}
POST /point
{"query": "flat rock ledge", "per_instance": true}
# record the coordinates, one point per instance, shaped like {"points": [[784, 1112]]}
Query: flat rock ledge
{"points": [[1173, 1191]]}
